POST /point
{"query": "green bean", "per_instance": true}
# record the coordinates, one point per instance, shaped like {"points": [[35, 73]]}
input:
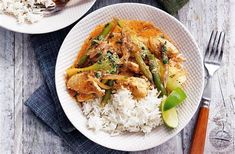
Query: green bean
{"points": [[104, 81], [82, 60], [107, 95], [154, 68], [143, 67], [120, 23], [164, 54], [107, 28]]}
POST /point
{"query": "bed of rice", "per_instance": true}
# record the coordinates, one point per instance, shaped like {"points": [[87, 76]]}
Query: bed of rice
{"points": [[123, 113]]}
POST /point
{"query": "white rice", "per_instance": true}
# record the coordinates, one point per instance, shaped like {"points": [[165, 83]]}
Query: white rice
{"points": [[123, 113], [24, 10]]}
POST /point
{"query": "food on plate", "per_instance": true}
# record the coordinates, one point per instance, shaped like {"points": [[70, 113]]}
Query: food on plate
{"points": [[29, 11], [128, 77]]}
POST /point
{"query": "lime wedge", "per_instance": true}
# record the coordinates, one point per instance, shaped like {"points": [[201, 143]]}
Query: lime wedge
{"points": [[175, 98], [170, 116]]}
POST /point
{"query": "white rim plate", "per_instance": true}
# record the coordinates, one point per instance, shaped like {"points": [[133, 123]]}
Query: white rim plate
{"points": [[49, 24], [183, 40]]}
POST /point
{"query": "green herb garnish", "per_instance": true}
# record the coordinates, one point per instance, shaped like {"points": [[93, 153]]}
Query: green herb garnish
{"points": [[165, 59], [97, 74]]}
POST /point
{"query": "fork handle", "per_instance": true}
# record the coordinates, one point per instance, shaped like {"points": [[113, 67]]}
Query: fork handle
{"points": [[199, 136]]}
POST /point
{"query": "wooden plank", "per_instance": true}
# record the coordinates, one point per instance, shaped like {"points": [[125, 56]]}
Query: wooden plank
{"points": [[18, 102], [37, 137], [6, 91], [192, 19], [221, 130], [201, 17]]}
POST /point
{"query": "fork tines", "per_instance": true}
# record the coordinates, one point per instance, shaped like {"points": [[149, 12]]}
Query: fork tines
{"points": [[214, 51]]}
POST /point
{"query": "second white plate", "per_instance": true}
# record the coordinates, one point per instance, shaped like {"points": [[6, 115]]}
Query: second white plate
{"points": [[49, 24]]}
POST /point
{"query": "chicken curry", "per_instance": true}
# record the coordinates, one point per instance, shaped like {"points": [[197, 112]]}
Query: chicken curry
{"points": [[125, 53]]}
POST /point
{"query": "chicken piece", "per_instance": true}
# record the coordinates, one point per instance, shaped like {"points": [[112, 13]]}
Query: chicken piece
{"points": [[156, 46], [84, 97], [143, 39], [125, 53], [115, 42], [124, 47], [128, 43], [138, 86], [125, 71], [81, 83], [133, 67], [177, 61], [156, 43]]}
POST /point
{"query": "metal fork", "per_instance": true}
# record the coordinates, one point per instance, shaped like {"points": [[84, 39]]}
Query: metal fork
{"points": [[212, 61]]}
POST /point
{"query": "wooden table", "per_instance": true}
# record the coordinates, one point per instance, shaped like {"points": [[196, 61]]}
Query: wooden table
{"points": [[22, 132]]}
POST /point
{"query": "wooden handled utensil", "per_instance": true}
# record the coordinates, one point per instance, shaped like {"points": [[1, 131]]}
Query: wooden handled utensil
{"points": [[212, 62]]}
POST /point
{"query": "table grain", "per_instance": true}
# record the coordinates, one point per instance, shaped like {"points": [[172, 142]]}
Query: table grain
{"points": [[22, 132]]}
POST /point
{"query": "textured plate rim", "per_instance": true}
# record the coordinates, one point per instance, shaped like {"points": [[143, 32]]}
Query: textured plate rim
{"points": [[201, 64], [47, 31]]}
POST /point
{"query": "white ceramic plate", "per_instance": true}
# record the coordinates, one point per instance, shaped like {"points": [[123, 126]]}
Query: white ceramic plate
{"points": [[183, 40], [49, 24]]}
